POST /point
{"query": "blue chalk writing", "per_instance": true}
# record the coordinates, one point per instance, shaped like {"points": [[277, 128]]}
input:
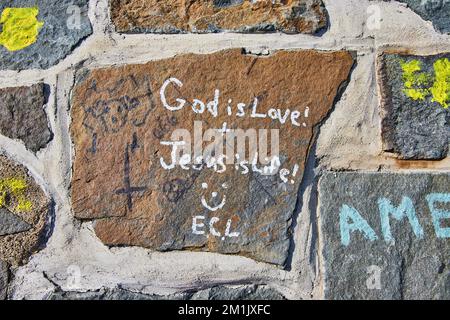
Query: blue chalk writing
{"points": [[438, 215], [351, 220], [406, 208]]}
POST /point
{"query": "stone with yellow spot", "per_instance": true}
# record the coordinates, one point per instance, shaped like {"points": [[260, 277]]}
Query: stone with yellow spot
{"points": [[37, 34], [20, 28], [415, 105], [24, 213]]}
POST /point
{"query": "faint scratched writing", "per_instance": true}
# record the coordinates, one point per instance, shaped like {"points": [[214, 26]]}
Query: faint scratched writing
{"points": [[176, 188], [110, 116], [164, 125]]}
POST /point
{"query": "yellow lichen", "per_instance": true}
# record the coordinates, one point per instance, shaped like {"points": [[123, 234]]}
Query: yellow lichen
{"points": [[414, 81], [20, 27], [417, 85], [441, 87], [16, 188]]}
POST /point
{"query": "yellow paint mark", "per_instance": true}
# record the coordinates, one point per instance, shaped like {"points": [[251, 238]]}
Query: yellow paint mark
{"points": [[417, 85], [414, 81], [16, 188], [20, 27], [441, 87]]}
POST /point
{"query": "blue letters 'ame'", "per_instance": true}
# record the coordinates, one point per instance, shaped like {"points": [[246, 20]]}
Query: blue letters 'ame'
{"points": [[351, 220]]}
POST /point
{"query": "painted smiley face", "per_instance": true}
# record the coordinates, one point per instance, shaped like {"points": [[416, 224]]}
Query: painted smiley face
{"points": [[214, 198]]}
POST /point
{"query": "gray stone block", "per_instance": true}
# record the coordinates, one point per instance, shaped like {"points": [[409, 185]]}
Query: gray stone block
{"points": [[65, 25], [416, 117], [22, 116], [245, 292], [10, 223], [385, 236]]}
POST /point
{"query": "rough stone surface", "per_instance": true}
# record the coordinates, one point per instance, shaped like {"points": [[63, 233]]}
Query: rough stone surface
{"points": [[410, 267], [250, 292], [21, 196], [22, 116], [350, 139], [10, 223], [414, 128], [3, 280], [119, 123], [436, 11], [66, 24], [201, 16]]}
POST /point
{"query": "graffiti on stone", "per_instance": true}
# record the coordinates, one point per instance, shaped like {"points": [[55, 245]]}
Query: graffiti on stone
{"points": [[415, 100], [385, 235], [169, 159]]}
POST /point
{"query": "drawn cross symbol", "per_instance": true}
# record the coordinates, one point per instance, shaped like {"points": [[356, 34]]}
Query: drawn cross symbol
{"points": [[224, 129], [128, 190]]}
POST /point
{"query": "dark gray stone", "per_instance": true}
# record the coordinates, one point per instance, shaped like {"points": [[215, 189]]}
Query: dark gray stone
{"points": [[251, 292], [101, 294], [22, 116], [3, 280], [11, 224], [227, 3], [59, 35], [416, 129], [410, 264], [248, 292]]}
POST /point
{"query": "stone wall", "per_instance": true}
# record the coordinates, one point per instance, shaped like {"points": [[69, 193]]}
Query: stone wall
{"points": [[93, 92]]}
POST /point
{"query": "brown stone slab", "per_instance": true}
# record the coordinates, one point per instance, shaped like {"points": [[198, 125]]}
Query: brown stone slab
{"points": [[203, 16], [24, 211], [119, 122]]}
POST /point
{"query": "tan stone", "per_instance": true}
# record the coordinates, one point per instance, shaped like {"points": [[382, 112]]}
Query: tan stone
{"points": [[174, 16], [24, 207], [119, 122]]}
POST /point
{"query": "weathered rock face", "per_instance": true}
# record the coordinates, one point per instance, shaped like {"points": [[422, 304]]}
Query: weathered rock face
{"points": [[385, 236], [10, 223], [3, 280], [23, 212], [415, 106], [250, 292], [123, 118], [201, 16], [39, 33], [22, 116]]}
